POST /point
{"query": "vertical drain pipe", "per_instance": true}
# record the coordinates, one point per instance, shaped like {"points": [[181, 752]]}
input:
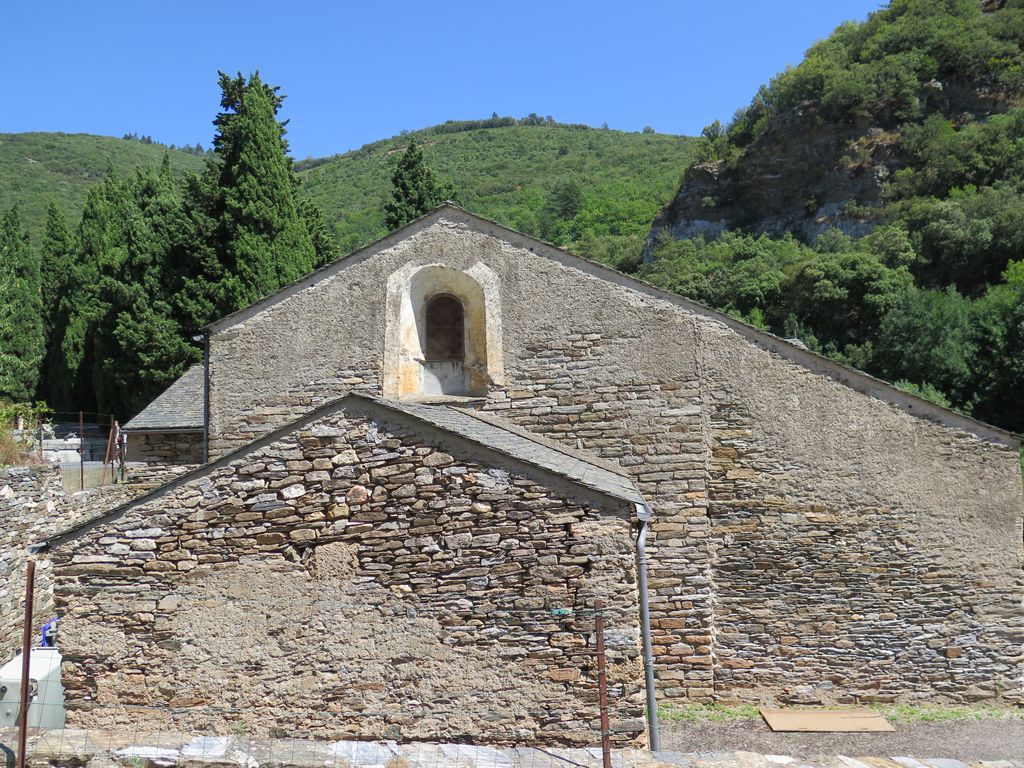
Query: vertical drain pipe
{"points": [[643, 513]]}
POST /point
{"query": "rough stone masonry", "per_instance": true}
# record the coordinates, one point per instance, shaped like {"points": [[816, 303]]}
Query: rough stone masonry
{"points": [[817, 535], [34, 506], [350, 579]]}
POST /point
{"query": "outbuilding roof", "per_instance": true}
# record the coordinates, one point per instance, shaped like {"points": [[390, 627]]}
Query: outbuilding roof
{"points": [[455, 429], [575, 466], [179, 408]]}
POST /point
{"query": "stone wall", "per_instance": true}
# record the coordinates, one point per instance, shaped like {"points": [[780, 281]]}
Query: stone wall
{"points": [[145, 476], [350, 580], [29, 498], [35, 506], [741, 443], [858, 553], [166, 447]]}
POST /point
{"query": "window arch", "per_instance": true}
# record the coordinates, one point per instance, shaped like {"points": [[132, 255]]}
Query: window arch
{"points": [[443, 332], [445, 329]]}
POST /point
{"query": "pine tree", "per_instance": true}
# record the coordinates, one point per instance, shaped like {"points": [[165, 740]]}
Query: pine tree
{"points": [[21, 311], [415, 191], [263, 238]]}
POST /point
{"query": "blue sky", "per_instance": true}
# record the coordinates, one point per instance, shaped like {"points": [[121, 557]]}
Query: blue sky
{"points": [[355, 72]]}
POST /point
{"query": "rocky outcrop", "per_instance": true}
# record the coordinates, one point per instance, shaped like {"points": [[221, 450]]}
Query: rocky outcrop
{"points": [[804, 175]]}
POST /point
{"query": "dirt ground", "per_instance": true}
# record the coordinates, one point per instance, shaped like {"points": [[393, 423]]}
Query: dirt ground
{"points": [[990, 739]]}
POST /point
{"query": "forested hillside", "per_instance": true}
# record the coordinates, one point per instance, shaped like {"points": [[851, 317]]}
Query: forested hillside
{"points": [[39, 168], [593, 190], [870, 202], [99, 314]]}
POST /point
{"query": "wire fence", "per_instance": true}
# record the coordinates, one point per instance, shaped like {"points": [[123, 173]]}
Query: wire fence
{"points": [[86, 445]]}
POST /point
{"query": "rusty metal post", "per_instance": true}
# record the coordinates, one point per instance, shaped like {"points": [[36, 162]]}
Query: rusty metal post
{"points": [[602, 685], [81, 451], [108, 455], [26, 657]]}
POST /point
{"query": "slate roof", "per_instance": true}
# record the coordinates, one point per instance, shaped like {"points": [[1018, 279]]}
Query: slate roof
{"points": [[519, 444], [178, 408]]}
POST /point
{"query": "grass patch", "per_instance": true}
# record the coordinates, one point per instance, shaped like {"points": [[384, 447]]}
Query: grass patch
{"points": [[897, 713], [938, 713], [715, 713]]}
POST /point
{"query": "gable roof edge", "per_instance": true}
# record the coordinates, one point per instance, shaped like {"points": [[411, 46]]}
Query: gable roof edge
{"points": [[370, 403], [857, 380]]}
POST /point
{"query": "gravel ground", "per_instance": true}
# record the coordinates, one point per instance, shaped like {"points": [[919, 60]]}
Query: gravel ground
{"points": [[954, 739]]}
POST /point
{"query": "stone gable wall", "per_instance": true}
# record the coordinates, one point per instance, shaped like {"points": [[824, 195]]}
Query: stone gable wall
{"points": [[352, 581], [734, 446]]}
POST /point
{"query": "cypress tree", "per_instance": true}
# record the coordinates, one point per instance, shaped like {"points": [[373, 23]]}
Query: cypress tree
{"points": [[263, 237], [21, 311], [140, 345], [414, 189], [71, 370], [58, 265], [57, 258], [123, 343], [323, 242]]}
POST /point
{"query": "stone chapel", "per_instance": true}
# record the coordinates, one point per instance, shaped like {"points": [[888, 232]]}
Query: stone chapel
{"points": [[423, 463]]}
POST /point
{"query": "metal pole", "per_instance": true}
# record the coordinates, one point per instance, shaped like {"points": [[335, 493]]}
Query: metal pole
{"points": [[26, 657], [653, 737], [602, 685], [108, 455], [81, 451]]}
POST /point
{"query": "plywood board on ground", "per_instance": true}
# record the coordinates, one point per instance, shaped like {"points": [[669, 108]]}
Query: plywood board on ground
{"points": [[825, 720]]}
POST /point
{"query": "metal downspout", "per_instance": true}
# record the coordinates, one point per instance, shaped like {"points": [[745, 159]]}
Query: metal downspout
{"points": [[205, 338], [643, 513]]}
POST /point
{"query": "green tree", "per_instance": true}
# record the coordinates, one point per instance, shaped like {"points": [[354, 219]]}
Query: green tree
{"points": [[57, 257], [21, 311], [71, 363], [58, 265], [927, 339], [323, 242], [261, 235], [998, 363], [414, 189], [139, 345]]}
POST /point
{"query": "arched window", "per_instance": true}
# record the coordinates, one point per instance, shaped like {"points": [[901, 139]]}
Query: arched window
{"points": [[445, 319]]}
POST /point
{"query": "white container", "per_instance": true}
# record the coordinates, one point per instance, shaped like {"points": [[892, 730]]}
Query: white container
{"points": [[46, 693]]}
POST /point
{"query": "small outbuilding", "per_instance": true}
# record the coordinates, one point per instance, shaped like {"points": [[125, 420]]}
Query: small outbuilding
{"points": [[170, 429]]}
